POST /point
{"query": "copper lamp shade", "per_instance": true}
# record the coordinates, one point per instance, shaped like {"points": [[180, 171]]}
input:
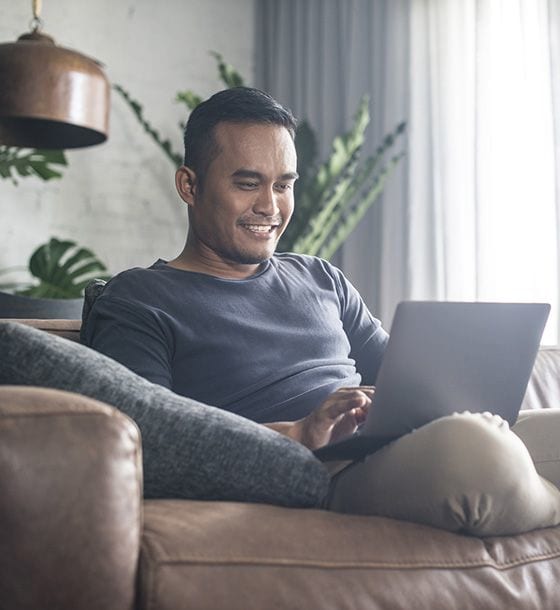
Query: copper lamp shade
{"points": [[51, 97]]}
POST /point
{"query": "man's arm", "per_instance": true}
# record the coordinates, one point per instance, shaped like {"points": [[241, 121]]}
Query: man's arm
{"points": [[133, 336], [368, 339]]}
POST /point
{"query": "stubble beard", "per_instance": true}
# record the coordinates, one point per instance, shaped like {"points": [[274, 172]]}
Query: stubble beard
{"points": [[245, 258]]}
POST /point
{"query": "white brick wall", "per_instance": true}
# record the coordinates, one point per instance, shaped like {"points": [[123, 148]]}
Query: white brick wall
{"points": [[118, 198]]}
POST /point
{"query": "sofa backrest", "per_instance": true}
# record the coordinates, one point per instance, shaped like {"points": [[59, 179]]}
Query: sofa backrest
{"points": [[543, 391]]}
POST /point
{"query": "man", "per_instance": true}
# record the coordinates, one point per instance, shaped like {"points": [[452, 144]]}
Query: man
{"points": [[286, 340]]}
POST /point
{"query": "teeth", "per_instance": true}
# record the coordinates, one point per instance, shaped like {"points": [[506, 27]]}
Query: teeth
{"points": [[259, 228]]}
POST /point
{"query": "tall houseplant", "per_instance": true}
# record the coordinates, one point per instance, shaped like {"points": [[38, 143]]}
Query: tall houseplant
{"points": [[331, 197]]}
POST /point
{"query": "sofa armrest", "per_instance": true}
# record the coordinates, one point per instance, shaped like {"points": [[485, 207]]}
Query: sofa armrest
{"points": [[70, 502]]}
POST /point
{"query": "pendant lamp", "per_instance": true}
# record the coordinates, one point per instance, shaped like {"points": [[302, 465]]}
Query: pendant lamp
{"points": [[50, 97]]}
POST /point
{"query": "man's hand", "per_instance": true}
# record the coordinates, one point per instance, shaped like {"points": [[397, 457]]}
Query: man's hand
{"points": [[337, 417]]}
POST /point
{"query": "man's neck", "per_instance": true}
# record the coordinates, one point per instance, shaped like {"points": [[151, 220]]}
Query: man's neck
{"points": [[189, 260]]}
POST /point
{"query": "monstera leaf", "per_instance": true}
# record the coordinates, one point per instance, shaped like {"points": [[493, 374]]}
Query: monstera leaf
{"points": [[24, 162], [63, 269]]}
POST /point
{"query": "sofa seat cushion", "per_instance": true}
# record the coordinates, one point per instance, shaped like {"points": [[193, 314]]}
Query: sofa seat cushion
{"points": [[190, 450], [248, 557]]}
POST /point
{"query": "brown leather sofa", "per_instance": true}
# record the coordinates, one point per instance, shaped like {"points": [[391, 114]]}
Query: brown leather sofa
{"points": [[76, 534]]}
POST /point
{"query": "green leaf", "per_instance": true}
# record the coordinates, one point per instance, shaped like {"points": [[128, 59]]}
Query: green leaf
{"points": [[63, 270], [164, 145], [315, 196], [228, 74], [25, 162], [333, 242], [190, 99], [333, 200], [332, 206]]}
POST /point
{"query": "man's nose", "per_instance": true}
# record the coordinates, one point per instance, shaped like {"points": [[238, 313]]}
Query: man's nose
{"points": [[266, 203]]}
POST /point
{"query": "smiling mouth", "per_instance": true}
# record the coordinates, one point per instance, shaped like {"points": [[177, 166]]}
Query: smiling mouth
{"points": [[261, 229]]}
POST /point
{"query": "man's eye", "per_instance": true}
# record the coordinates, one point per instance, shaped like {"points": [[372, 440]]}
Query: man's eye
{"points": [[247, 185], [284, 187]]}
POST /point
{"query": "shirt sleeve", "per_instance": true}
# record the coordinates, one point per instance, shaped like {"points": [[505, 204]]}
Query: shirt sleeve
{"points": [[132, 334], [368, 339]]}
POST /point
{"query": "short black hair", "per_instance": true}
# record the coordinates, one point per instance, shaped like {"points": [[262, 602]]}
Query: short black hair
{"points": [[235, 105]]}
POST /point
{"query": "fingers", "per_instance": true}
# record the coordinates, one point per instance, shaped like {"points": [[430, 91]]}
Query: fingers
{"points": [[360, 414], [364, 388], [346, 400], [342, 411], [367, 390], [346, 425]]}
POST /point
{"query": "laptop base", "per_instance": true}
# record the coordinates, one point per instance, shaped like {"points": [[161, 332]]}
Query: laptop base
{"points": [[353, 448]]}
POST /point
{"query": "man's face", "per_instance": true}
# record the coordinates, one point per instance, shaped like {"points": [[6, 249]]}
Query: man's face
{"points": [[247, 197]]}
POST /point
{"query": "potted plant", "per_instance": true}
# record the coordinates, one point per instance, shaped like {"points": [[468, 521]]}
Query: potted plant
{"points": [[60, 268]]}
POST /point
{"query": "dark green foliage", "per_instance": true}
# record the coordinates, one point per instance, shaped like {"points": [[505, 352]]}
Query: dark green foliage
{"points": [[228, 74], [338, 193], [190, 99], [307, 151], [24, 162], [165, 145], [63, 270]]}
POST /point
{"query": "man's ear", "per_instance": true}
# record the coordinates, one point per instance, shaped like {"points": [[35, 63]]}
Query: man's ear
{"points": [[186, 184]]}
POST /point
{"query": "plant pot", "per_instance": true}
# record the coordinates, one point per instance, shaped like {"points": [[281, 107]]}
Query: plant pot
{"points": [[16, 306]]}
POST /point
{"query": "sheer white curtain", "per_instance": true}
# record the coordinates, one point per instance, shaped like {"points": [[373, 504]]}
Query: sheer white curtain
{"points": [[473, 214], [483, 207]]}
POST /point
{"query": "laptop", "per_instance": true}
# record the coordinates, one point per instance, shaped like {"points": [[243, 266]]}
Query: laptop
{"points": [[446, 357]]}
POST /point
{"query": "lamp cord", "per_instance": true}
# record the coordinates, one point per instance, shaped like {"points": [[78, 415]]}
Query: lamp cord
{"points": [[36, 23]]}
